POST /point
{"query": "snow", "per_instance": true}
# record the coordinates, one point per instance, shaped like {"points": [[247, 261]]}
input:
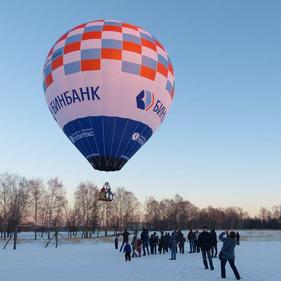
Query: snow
{"points": [[257, 235], [99, 261]]}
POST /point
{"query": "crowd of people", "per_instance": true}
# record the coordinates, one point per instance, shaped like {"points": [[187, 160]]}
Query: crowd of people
{"points": [[204, 242]]}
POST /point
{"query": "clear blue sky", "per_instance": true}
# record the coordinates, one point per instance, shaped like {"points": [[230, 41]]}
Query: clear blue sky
{"points": [[220, 143]]}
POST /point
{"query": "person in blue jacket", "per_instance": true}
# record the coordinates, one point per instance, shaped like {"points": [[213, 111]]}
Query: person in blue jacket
{"points": [[227, 253], [127, 250], [173, 245]]}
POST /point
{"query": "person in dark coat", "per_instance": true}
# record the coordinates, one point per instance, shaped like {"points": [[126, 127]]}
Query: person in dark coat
{"points": [[191, 239], [214, 243], [125, 235], [116, 242], [238, 238], [196, 233], [155, 242], [227, 253], [145, 240], [161, 244], [167, 239], [181, 241], [205, 244], [173, 245], [151, 244], [127, 250]]}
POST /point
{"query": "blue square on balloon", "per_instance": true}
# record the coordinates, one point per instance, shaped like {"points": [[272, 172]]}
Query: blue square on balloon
{"points": [[169, 86], [130, 67], [72, 67], [149, 62]]}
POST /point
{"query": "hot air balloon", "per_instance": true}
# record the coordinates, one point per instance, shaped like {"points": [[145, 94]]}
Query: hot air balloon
{"points": [[108, 85]]}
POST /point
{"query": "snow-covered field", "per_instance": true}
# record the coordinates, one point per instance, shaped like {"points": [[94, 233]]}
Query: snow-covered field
{"points": [[249, 235], [99, 261]]}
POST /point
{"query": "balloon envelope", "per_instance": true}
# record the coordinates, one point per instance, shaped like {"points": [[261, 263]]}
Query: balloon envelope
{"points": [[109, 85]]}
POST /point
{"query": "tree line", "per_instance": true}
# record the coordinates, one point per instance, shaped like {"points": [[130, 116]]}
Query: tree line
{"points": [[42, 207]]}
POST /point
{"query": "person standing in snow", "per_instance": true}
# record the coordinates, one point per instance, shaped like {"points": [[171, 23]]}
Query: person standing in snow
{"points": [[134, 246], [125, 235], [161, 244], [116, 242], [238, 238], [139, 244], [196, 233], [205, 244], [173, 245], [144, 240], [167, 239], [191, 239], [227, 253], [156, 242], [127, 250], [181, 241], [151, 244], [214, 243]]}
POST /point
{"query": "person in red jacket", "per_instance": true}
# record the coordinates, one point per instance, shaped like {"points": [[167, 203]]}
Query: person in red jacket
{"points": [[139, 246]]}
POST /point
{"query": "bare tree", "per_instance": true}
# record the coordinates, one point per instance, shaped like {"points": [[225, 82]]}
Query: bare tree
{"points": [[152, 213], [55, 201], [72, 220], [36, 192], [276, 210], [174, 213], [4, 195], [105, 215], [86, 207], [125, 209], [15, 191]]}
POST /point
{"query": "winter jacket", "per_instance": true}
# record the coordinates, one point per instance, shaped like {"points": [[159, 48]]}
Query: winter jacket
{"points": [[227, 247], [181, 238], [125, 235], [238, 238], [214, 237], [134, 242], [139, 244], [127, 249], [144, 236], [161, 242], [191, 236], [174, 241], [205, 240], [152, 240]]}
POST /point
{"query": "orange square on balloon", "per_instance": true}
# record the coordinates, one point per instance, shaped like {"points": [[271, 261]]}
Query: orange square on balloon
{"points": [[132, 47], [114, 54], [57, 62], [162, 69], [49, 80], [148, 72], [75, 46], [88, 65]]}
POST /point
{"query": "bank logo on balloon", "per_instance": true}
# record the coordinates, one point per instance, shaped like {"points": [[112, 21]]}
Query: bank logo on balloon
{"points": [[145, 100]]}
